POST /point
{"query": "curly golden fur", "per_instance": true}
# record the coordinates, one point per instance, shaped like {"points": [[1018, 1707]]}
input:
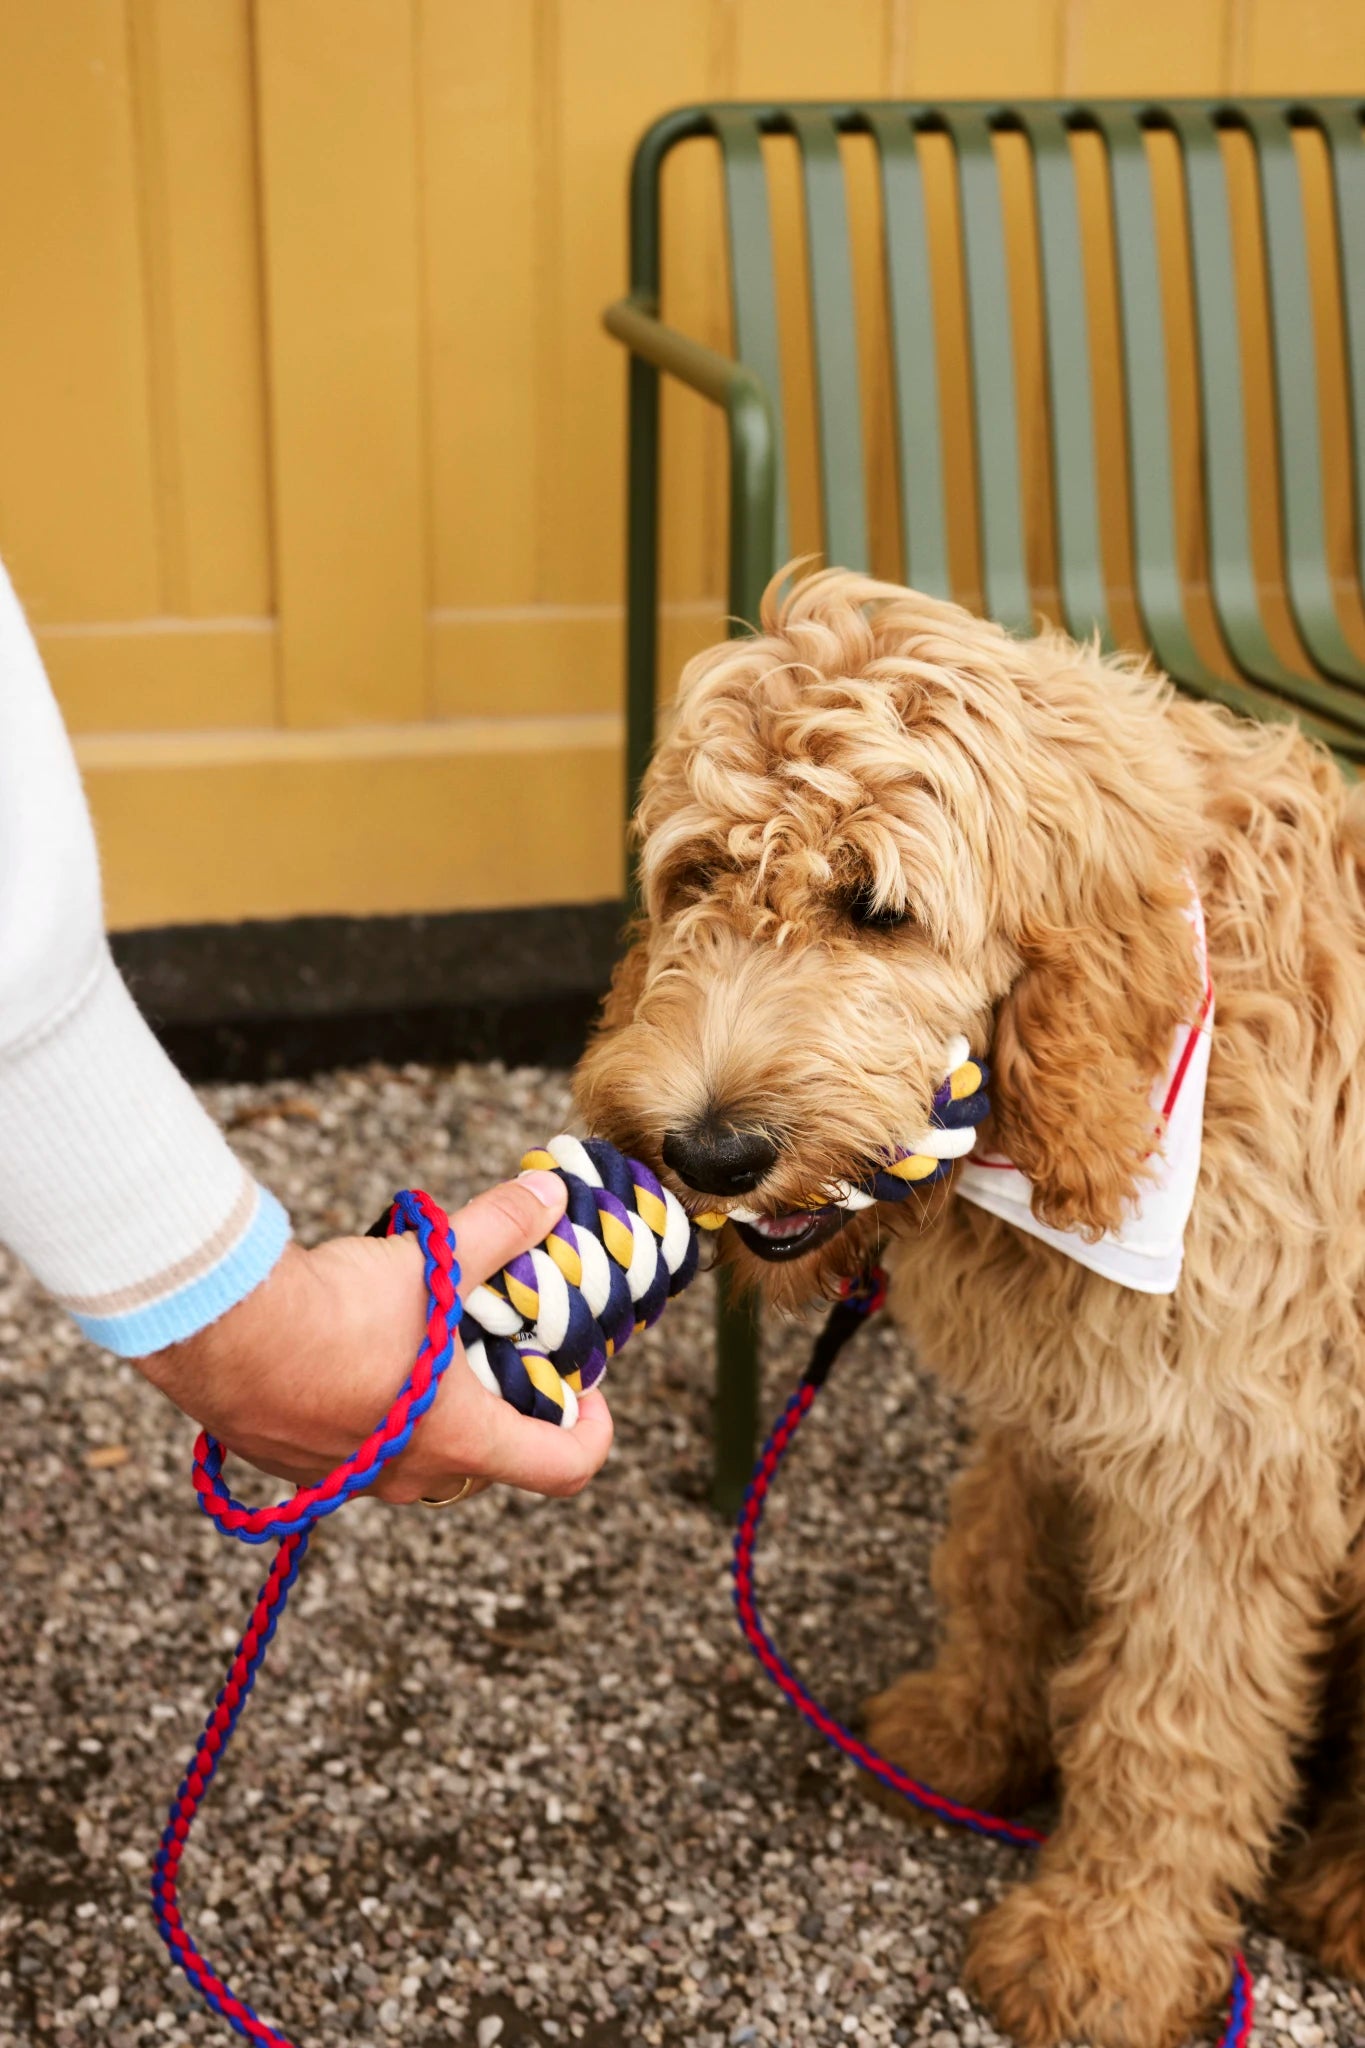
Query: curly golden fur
{"points": [[1152, 1564]]}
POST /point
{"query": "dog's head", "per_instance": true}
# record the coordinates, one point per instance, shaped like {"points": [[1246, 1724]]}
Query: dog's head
{"points": [[882, 825]]}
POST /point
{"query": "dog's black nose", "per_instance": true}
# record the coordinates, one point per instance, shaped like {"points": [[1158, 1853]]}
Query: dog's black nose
{"points": [[716, 1159]]}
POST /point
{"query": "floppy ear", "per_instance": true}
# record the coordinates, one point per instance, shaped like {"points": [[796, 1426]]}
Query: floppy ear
{"points": [[1080, 1041]]}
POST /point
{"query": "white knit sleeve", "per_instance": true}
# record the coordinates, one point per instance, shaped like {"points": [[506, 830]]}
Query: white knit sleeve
{"points": [[116, 1188]]}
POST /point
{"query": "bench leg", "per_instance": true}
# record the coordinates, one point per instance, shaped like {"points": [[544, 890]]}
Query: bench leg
{"points": [[751, 562], [737, 1394]]}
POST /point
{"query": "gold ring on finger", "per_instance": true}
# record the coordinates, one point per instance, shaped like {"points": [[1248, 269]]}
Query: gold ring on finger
{"points": [[450, 1499]]}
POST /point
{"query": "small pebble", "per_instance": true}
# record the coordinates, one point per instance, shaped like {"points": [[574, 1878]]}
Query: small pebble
{"points": [[107, 1457]]}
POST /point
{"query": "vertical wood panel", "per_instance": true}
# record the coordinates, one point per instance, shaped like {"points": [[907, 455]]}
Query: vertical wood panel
{"points": [[1165, 47], [968, 49], [900, 30], [339, 183], [695, 301], [974, 49], [793, 50], [689, 626], [382, 386], [693, 540], [806, 49], [77, 498], [478, 153], [1162, 46], [606, 71], [193, 94], [1291, 46]]}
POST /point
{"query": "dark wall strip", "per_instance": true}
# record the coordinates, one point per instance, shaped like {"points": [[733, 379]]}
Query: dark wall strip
{"points": [[256, 1000]]}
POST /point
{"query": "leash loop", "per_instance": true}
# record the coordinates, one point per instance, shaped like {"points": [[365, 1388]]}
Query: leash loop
{"points": [[291, 1523], [413, 1211]]}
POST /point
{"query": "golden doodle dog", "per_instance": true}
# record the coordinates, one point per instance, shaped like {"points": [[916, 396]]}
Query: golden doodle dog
{"points": [[883, 824]]}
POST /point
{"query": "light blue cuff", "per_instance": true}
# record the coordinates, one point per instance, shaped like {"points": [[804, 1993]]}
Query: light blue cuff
{"points": [[141, 1330]]}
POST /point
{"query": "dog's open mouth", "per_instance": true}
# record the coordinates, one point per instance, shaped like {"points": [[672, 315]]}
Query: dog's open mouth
{"points": [[776, 1238]]}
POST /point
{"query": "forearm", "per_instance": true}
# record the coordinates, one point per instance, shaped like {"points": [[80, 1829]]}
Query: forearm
{"points": [[116, 1188]]}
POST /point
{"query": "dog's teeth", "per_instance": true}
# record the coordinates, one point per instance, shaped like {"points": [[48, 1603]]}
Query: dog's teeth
{"points": [[782, 1226], [742, 1215]]}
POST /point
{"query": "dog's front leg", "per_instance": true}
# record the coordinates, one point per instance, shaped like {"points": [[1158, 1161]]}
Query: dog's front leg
{"points": [[1008, 1585], [1175, 1730]]}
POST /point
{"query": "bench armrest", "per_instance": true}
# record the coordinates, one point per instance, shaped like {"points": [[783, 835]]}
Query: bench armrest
{"points": [[752, 437]]}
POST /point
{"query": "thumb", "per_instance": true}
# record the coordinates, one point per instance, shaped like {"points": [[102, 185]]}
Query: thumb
{"points": [[505, 1220]]}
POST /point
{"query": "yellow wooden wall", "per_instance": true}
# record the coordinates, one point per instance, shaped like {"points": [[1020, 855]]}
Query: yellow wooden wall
{"points": [[311, 444]]}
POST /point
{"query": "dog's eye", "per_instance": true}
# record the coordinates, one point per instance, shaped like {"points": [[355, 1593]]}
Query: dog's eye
{"points": [[871, 916]]}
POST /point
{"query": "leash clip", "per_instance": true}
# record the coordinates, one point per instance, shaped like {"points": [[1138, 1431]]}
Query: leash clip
{"points": [[859, 1297]]}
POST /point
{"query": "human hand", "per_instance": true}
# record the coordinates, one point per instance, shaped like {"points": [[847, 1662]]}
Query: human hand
{"points": [[299, 1373]]}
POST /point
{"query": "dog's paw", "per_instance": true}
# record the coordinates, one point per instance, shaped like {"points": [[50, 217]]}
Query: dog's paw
{"points": [[1318, 1903], [938, 1733], [1057, 1961]]}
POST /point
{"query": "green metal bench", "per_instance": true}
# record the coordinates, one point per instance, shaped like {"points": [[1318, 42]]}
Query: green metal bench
{"points": [[1320, 680]]}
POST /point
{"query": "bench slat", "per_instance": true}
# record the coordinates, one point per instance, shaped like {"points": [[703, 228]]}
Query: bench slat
{"points": [[753, 282], [914, 354], [1227, 483], [1346, 148], [1147, 407], [1080, 567], [1227, 489], [834, 333], [1321, 677], [1297, 399], [999, 498]]}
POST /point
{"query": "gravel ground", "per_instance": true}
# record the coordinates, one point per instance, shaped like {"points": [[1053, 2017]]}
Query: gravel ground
{"points": [[510, 1776]]}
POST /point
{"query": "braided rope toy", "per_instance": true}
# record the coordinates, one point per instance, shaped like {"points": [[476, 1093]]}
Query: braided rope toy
{"points": [[539, 1334], [543, 1331]]}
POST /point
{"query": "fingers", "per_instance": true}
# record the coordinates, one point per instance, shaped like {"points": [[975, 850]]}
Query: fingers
{"points": [[476, 1433], [407, 1486], [506, 1220], [469, 1431], [297, 1374], [543, 1459]]}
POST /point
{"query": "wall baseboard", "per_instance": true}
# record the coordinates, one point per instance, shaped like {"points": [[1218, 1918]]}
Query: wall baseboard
{"points": [[265, 998]]}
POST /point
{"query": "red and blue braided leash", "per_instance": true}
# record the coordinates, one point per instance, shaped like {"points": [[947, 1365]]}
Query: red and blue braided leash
{"points": [[291, 1523]]}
